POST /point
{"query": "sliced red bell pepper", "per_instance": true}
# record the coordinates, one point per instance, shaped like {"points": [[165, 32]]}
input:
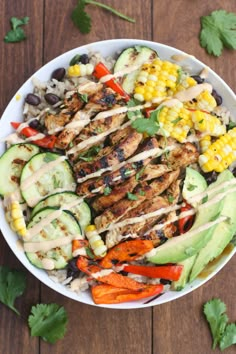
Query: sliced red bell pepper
{"points": [[171, 272], [46, 142], [108, 294], [101, 70], [186, 222], [86, 266], [126, 252]]}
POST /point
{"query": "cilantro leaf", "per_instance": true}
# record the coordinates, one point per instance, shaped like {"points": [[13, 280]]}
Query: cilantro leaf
{"points": [[214, 311], [149, 125], [107, 190], [170, 198], [48, 321], [139, 173], [131, 196], [218, 30], [12, 285], [176, 121], [83, 97], [16, 34], [80, 18], [134, 114], [229, 336], [231, 125]]}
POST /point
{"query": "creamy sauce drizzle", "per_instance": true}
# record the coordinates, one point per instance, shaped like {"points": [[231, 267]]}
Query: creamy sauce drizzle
{"points": [[181, 57], [37, 174], [46, 246], [192, 92], [47, 263], [119, 73]]}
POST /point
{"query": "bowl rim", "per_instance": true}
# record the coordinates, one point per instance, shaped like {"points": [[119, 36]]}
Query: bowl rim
{"points": [[12, 240]]}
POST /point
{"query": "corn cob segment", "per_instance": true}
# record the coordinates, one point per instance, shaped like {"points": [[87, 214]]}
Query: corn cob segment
{"points": [[220, 154], [155, 79], [176, 121], [15, 217], [95, 241], [187, 82], [207, 123], [80, 70], [205, 143], [205, 101]]}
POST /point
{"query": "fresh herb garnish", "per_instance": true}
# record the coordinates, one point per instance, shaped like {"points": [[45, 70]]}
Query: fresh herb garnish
{"points": [[12, 285], [179, 73], [231, 125], [142, 193], [134, 114], [107, 190], [223, 333], [218, 30], [89, 253], [131, 196], [16, 34], [177, 120], [83, 97], [170, 198], [127, 172], [201, 121], [75, 59], [149, 125], [89, 155], [82, 20], [191, 187], [139, 173], [48, 321]]}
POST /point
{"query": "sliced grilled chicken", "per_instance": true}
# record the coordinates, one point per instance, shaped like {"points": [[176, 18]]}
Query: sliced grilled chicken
{"points": [[120, 209], [119, 153], [182, 156], [119, 176], [119, 134], [89, 87], [119, 192]]}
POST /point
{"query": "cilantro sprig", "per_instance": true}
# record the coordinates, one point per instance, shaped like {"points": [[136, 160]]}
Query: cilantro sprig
{"points": [[83, 21], [48, 321], [12, 285], [223, 334], [16, 34], [149, 125], [218, 30]]}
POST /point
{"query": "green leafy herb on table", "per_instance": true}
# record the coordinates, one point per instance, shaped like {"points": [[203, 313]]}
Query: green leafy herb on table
{"points": [[12, 285], [218, 30], [48, 321], [82, 20], [16, 34], [223, 334]]}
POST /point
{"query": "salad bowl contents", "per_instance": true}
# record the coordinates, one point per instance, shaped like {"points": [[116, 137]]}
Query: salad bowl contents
{"points": [[118, 173]]}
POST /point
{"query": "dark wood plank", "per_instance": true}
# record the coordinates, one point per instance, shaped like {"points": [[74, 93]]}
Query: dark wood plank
{"points": [[93, 329], [179, 327], [18, 62]]}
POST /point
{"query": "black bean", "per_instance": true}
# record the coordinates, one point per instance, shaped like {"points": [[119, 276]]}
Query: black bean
{"points": [[32, 99], [51, 98], [165, 281], [58, 74], [34, 124], [217, 97], [198, 78], [84, 59]]}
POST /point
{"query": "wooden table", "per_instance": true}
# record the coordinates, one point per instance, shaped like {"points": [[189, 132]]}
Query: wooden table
{"points": [[173, 328]]}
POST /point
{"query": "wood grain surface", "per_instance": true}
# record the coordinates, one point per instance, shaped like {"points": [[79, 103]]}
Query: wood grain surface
{"points": [[173, 328]]}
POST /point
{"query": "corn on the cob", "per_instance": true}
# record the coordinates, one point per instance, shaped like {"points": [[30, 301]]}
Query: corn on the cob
{"points": [[220, 154], [80, 70], [175, 121], [15, 217], [155, 79], [205, 143], [187, 82], [95, 241], [205, 101], [207, 123]]}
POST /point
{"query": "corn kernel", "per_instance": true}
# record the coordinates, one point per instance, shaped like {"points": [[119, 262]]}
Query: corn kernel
{"points": [[90, 228]]}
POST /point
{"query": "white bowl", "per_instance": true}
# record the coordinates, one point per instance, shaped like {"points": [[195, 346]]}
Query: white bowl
{"points": [[14, 109]]}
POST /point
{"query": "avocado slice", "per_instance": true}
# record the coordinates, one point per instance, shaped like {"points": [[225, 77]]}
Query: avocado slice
{"points": [[130, 57], [188, 263], [194, 183], [221, 237], [179, 248]]}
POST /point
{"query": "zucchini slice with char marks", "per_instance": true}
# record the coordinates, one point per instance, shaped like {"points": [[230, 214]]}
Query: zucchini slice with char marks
{"points": [[11, 165], [64, 225], [130, 57], [44, 174], [81, 211]]}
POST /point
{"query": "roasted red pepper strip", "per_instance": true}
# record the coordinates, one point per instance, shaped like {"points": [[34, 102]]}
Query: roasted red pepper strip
{"points": [[185, 223], [101, 70], [108, 294], [46, 142], [126, 252], [76, 244], [86, 266], [171, 272]]}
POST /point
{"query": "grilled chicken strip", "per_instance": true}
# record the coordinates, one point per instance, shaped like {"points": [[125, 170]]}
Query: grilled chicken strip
{"points": [[119, 153], [100, 101], [119, 134], [120, 209], [182, 156], [113, 178]]}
